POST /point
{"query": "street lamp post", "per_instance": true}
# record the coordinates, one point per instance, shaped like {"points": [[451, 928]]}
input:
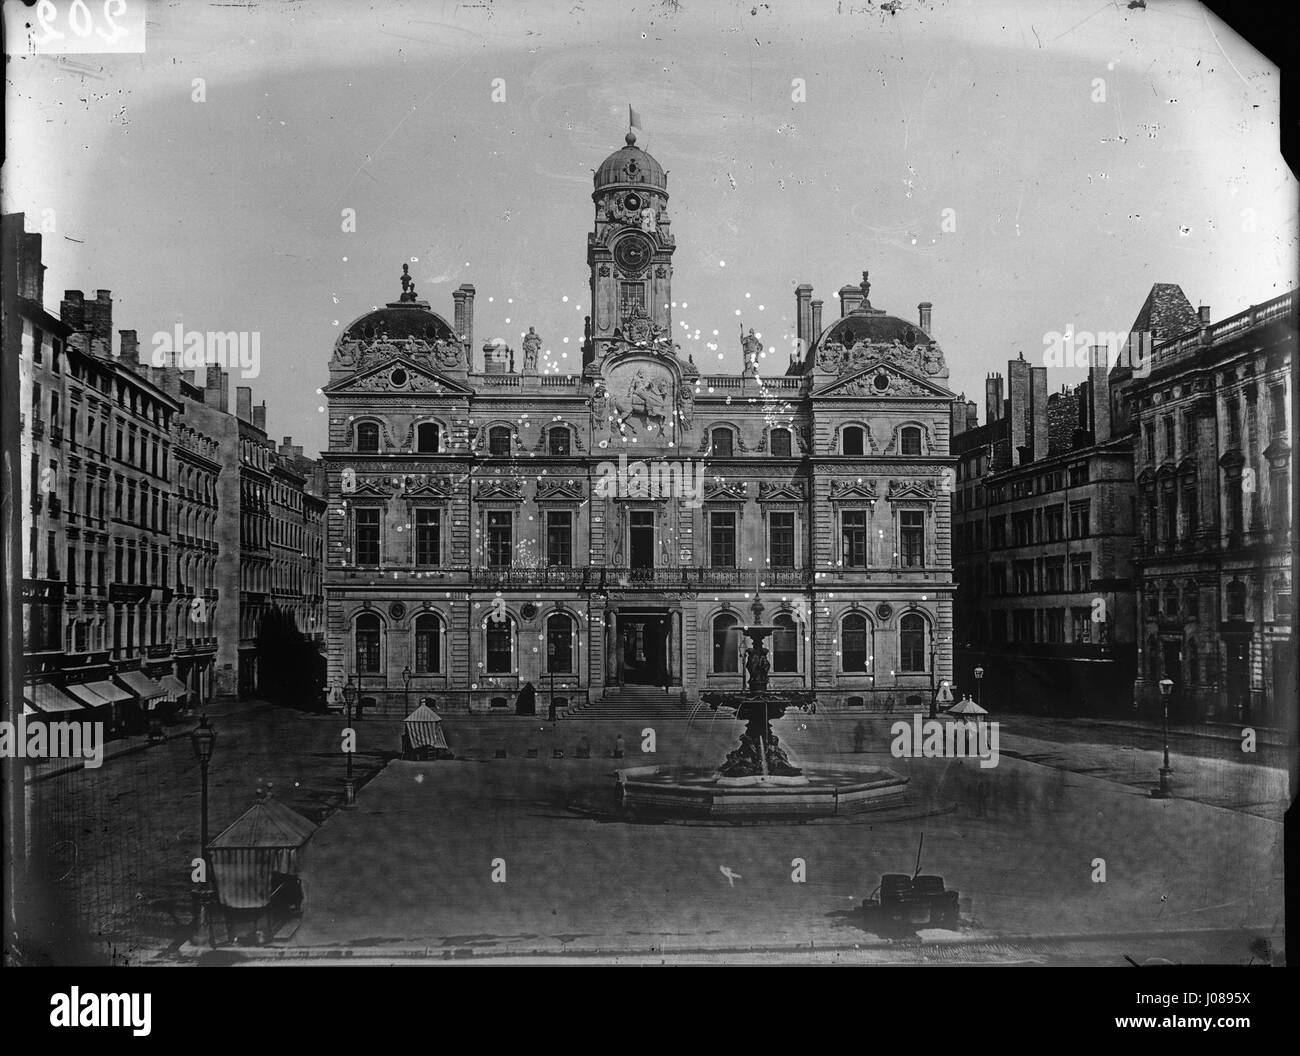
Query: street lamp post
{"points": [[934, 693], [203, 740], [1166, 688], [979, 677], [550, 667], [406, 690], [349, 787]]}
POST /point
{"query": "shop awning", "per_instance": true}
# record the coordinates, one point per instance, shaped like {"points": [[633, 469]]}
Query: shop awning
{"points": [[87, 696], [50, 699], [175, 688], [109, 692], [141, 685]]}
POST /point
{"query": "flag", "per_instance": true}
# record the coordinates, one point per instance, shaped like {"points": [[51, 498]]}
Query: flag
{"points": [[633, 118]]}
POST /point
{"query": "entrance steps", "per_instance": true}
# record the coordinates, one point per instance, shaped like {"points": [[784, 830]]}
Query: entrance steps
{"points": [[633, 702]]}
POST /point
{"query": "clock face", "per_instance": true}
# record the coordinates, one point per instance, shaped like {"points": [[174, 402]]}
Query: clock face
{"points": [[632, 253], [632, 202]]}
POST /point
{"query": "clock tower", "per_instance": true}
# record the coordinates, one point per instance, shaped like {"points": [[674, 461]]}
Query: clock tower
{"points": [[629, 252]]}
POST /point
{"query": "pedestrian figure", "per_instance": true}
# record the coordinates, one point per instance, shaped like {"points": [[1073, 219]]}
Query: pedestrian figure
{"points": [[552, 709], [859, 738], [618, 747]]}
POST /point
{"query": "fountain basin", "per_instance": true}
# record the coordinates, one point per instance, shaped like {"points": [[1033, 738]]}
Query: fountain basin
{"points": [[820, 791]]}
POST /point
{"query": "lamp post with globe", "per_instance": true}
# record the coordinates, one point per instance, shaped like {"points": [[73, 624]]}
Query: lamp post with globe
{"points": [[1166, 689]]}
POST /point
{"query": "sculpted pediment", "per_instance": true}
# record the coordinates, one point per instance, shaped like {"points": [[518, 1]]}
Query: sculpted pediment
{"points": [[882, 380], [397, 375]]}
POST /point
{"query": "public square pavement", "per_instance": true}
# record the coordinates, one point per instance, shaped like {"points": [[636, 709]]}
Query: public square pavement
{"points": [[408, 871]]}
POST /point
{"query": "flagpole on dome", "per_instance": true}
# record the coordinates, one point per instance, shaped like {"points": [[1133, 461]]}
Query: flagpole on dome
{"points": [[633, 121]]}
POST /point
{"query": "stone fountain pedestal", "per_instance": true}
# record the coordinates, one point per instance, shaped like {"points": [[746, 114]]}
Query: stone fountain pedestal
{"points": [[757, 779]]}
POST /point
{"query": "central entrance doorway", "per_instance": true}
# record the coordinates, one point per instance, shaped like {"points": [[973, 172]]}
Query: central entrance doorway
{"points": [[643, 648]]}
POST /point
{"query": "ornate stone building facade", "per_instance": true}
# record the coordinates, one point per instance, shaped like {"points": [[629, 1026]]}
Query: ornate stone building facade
{"points": [[1213, 557], [608, 532]]}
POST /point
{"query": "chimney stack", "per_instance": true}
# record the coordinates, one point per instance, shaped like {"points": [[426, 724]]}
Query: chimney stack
{"points": [[244, 403], [259, 416], [72, 309], [188, 377], [458, 311], [99, 320], [850, 299], [959, 415], [1204, 312], [993, 404], [803, 315], [1038, 430], [216, 387], [468, 290], [816, 321], [972, 415], [1099, 395], [129, 343], [923, 310], [1019, 410]]}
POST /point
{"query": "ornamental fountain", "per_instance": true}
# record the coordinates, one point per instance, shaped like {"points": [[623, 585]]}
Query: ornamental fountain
{"points": [[757, 779]]}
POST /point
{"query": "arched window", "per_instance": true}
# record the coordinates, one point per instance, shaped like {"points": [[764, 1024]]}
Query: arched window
{"points": [[559, 644], [368, 436], [722, 442], [780, 443], [726, 643], [367, 635], [853, 440], [499, 642], [853, 643], [909, 440], [428, 644], [911, 643], [499, 440], [426, 438], [558, 440], [785, 644]]}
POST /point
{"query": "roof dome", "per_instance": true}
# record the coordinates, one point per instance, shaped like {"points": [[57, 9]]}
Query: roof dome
{"points": [[398, 321], [874, 328], [630, 166]]}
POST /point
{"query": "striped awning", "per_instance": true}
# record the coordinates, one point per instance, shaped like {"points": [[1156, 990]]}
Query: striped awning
{"points": [[141, 685], [50, 699], [175, 688], [84, 693], [109, 692]]}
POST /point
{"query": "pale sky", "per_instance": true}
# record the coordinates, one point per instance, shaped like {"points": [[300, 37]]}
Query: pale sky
{"points": [[226, 214]]}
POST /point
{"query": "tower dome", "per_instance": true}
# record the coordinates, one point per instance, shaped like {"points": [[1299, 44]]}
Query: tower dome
{"points": [[630, 167]]}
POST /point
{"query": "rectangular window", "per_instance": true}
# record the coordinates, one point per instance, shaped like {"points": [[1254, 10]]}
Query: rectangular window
{"points": [[1054, 523], [1022, 577], [998, 626], [1022, 527], [780, 443], [1054, 625], [428, 538], [1280, 492], [722, 540], [998, 532], [853, 532], [1022, 625], [911, 531], [1189, 432], [1277, 409], [1234, 421], [500, 531], [632, 297], [1079, 520], [1080, 572], [1054, 575], [997, 579], [1078, 475], [1149, 437], [1169, 437], [1080, 625], [1169, 512], [781, 539], [367, 541], [559, 538], [559, 441]]}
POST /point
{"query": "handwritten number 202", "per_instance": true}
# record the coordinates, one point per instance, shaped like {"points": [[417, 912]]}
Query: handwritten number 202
{"points": [[80, 20]]}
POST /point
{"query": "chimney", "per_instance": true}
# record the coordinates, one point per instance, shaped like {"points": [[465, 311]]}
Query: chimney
{"points": [[803, 314], [1099, 395], [816, 320], [850, 299], [286, 448], [188, 376], [993, 398], [99, 320], [1019, 411], [1204, 312], [259, 415], [216, 388], [27, 249], [1038, 433], [72, 309], [458, 318], [129, 343], [972, 415], [468, 290], [244, 403], [923, 315], [959, 415]]}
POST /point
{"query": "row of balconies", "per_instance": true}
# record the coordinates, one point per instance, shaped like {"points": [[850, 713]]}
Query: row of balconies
{"points": [[601, 577]]}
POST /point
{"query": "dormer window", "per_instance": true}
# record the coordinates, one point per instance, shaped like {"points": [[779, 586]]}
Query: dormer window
{"points": [[909, 440], [368, 437], [558, 440], [854, 439], [722, 443], [426, 438], [499, 441]]}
